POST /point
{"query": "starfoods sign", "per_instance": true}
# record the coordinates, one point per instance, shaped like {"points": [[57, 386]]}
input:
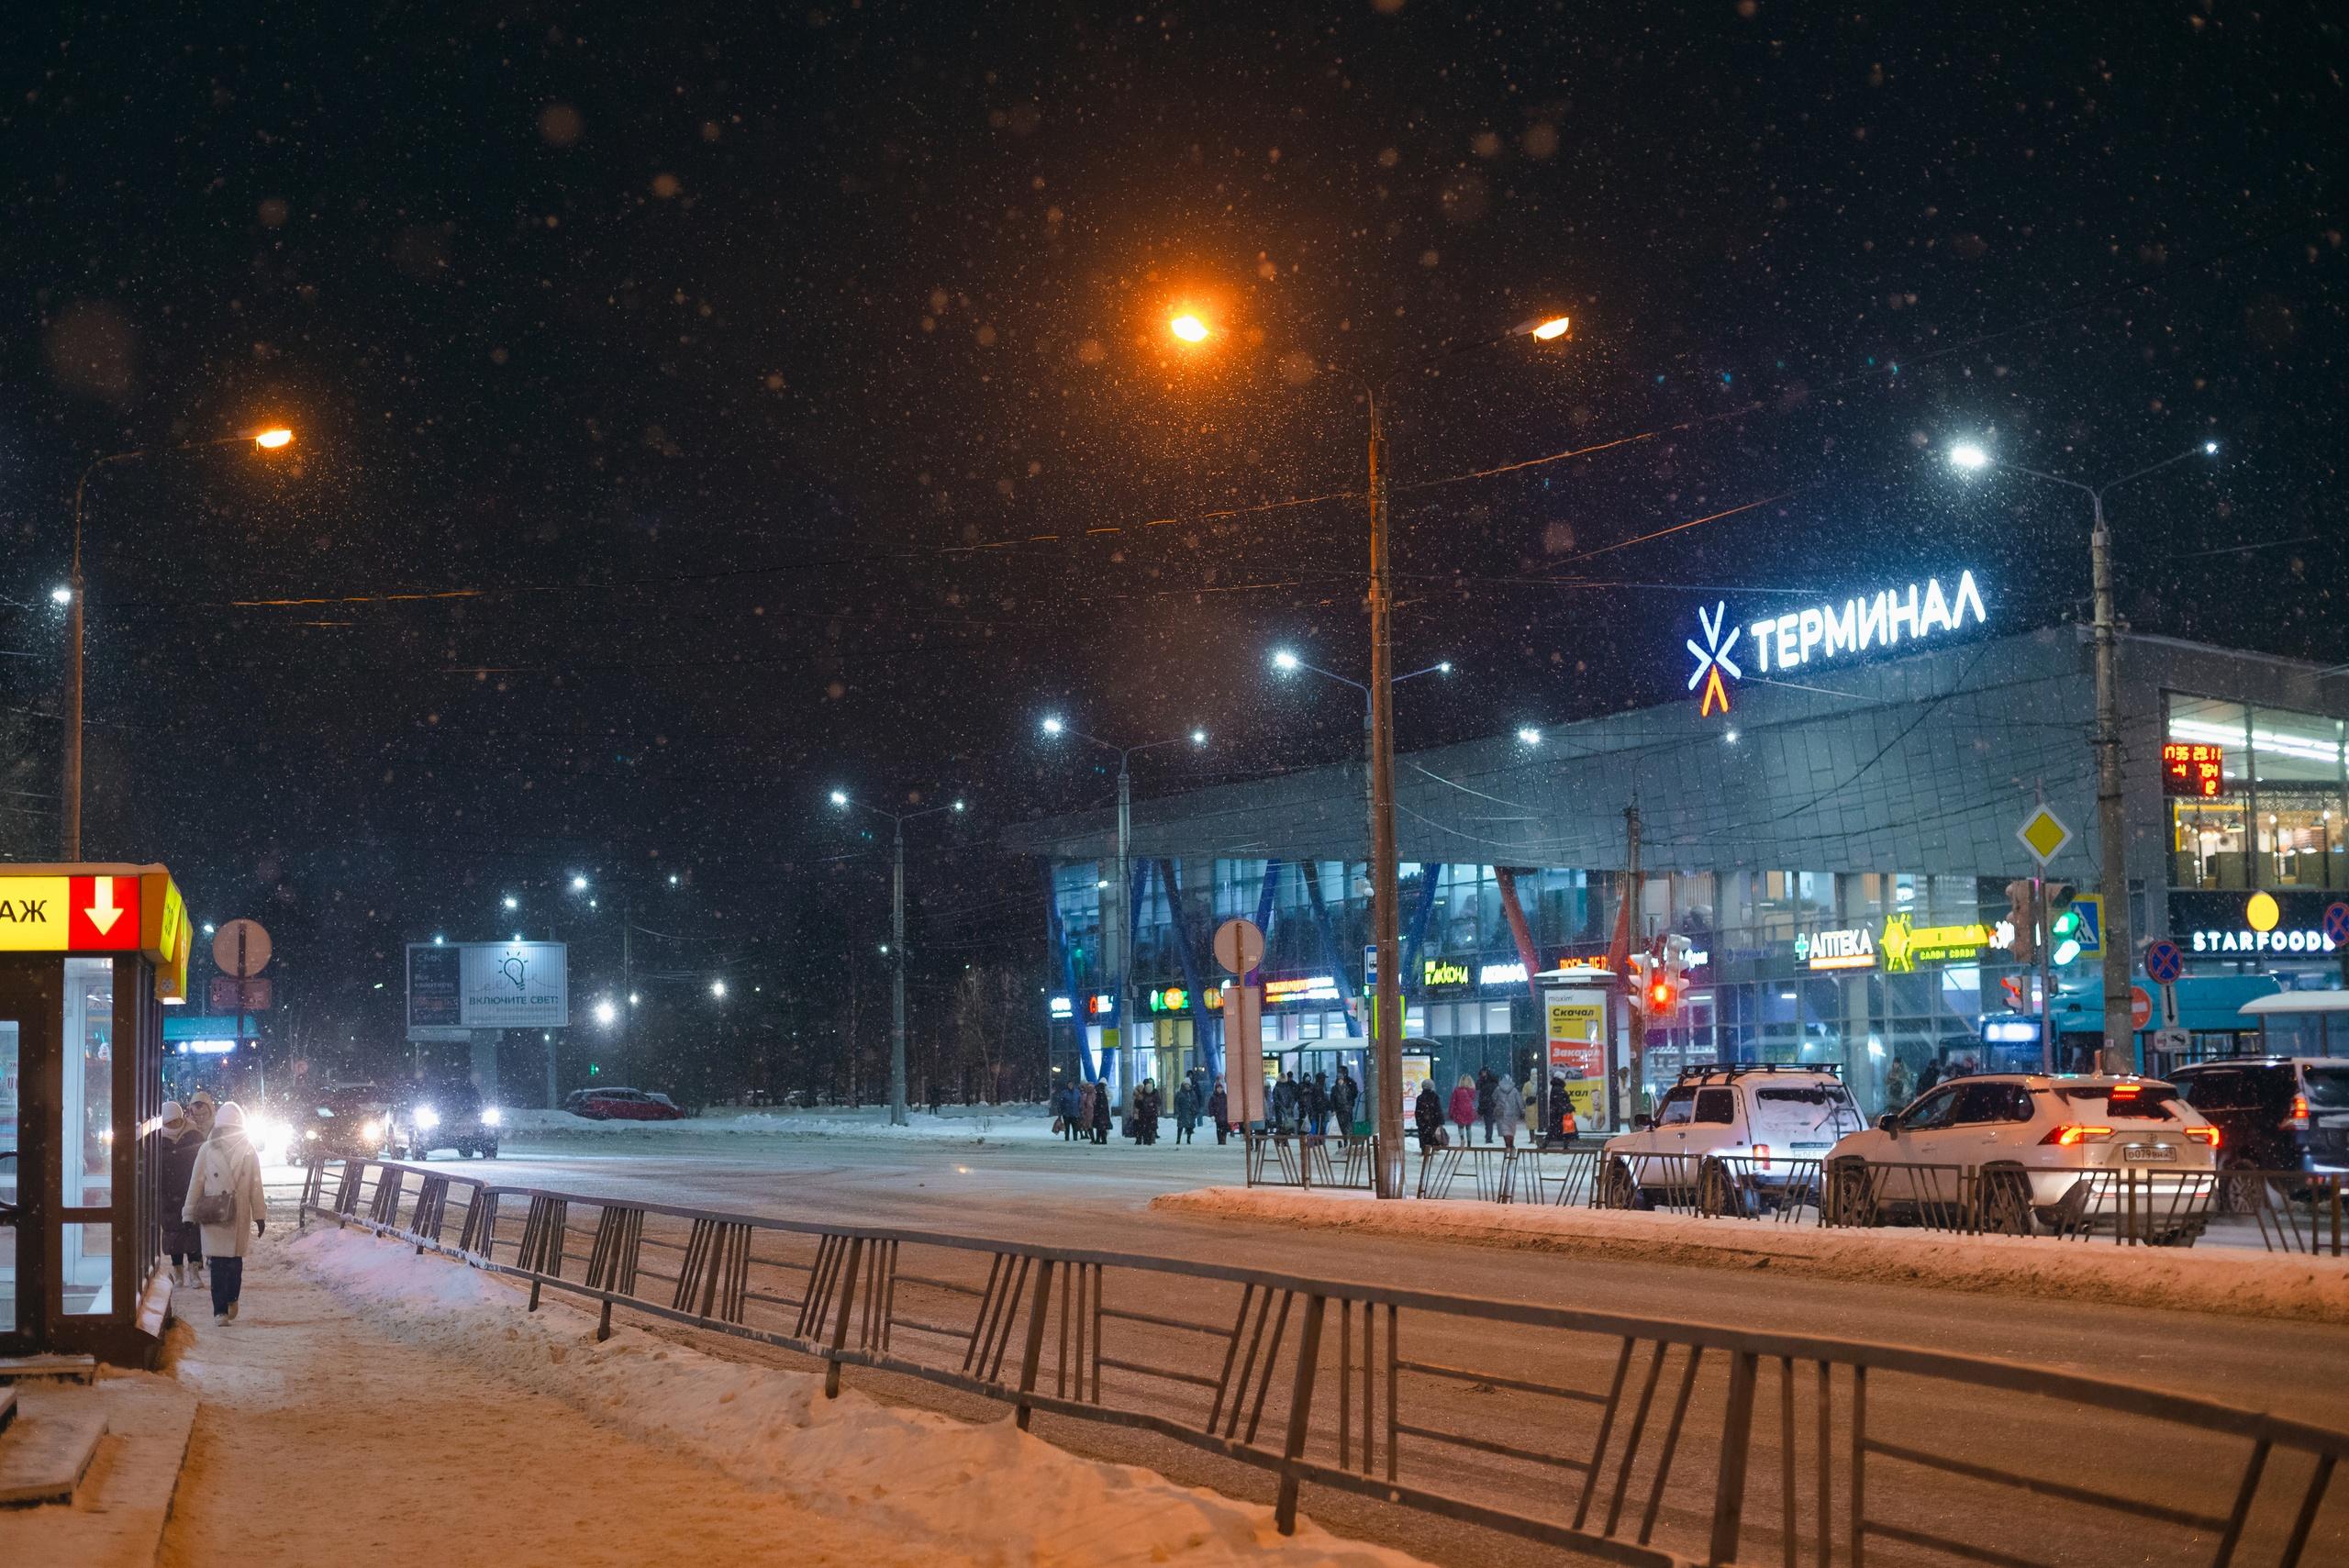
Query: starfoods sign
{"points": [[1891, 618]]}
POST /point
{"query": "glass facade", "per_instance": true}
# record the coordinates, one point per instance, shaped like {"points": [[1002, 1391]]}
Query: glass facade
{"points": [[2277, 818]]}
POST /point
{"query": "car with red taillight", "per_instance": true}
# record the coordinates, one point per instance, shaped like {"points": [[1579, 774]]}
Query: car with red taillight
{"points": [[2276, 1113], [2027, 1149]]}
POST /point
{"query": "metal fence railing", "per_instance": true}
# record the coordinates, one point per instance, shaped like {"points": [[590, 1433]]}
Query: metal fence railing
{"points": [[1635, 1440], [1304, 1160]]}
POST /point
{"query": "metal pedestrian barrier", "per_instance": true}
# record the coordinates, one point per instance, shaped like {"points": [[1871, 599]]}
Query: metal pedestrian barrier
{"points": [[1637, 1440], [1305, 1160]]}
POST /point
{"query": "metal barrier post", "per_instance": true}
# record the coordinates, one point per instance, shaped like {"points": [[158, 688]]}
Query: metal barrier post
{"points": [[1300, 1411], [1737, 1442], [846, 1285], [1034, 1354]]}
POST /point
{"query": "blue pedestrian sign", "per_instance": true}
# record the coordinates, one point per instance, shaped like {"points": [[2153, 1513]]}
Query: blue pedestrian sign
{"points": [[2089, 932], [2163, 963]]}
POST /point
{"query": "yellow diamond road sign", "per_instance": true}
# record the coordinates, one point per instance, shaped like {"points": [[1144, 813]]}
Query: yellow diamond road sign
{"points": [[2043, 834]]}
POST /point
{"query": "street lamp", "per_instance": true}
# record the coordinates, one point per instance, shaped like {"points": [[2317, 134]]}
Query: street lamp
{"points": [[1188, 328], [605, 1013], [1528, 736], [71, 597], [60, 594], [512, 902], [578, 885], [1125, 754], [718, 988], [2112, 849], [1386, 1024], [1289, 663], [896, 950]]}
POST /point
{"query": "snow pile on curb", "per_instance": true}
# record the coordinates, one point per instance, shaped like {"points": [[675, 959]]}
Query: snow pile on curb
{"points": [[2239, 1284], [958, 1124], [988, 1494]]}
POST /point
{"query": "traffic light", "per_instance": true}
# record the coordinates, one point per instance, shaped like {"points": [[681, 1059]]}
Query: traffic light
{"points": [[2023, 919], [1640, 981], [594, 1071], [1663, 998], [2063, 923]]}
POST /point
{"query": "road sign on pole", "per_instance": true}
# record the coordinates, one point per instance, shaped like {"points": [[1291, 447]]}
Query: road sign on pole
{"points": [[1239, 946], [2140, 1007], [2163, 963], [2337, 923], [2043, 834], [242, 949]]}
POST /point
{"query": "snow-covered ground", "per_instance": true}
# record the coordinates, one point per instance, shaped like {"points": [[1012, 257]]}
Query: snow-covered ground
{"points": [[2234, 1283], [954, 1124], [923, 1484]]}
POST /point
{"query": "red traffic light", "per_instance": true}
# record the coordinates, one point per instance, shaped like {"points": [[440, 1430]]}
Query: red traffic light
{"points": [[1660, 996]]}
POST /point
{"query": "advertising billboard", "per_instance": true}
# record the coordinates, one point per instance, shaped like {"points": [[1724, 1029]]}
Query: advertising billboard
{"points": [[488, 985]]}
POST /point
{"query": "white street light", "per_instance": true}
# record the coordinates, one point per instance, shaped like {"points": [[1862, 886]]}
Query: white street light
{"points": [[61, 596], [718, 988], [605, 1013], [1968, 456], [1527, 735], [207, 929], [578, 885], [1283, 661], [512, 902], [1053, 726], [1198, 737], [839, 797], [632, 998], [673, 879]]}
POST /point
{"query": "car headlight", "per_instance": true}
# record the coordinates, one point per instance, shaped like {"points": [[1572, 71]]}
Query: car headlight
{"points": [[369, 1131], [492, 1116], [312, 1135], [426, 1118]]}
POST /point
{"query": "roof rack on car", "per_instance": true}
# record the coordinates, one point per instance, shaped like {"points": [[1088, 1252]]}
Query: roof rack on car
{"points": [[1739, 1069]]}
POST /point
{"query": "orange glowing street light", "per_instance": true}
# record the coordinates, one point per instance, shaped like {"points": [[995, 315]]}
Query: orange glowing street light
{"points": [[1555, 327], [275, 437], [1188, 328]]}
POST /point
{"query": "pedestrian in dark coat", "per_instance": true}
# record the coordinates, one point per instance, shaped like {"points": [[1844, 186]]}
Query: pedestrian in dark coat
{"points": [[1186, 1111], [176, 1150], [1284, 1102], [1344, 1095], [1313, 1104], [1488, 1085], [1428, 1112], [1146, 1111], [1219, 1111], [1100, 1117]]}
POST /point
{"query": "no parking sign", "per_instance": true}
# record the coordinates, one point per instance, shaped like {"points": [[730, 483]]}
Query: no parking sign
{"points": [[2163, 963]]}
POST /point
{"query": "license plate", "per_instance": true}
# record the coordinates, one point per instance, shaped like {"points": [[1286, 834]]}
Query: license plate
{"points": [[1813, 1146], [2138, 1153]]}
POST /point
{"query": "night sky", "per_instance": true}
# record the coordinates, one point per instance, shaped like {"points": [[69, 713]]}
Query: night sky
{"points": [[699, 407]]}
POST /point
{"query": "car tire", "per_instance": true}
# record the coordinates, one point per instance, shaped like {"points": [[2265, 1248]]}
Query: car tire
{"points": [[2003, 1204], [1616, 1187], [1717, 1193], [419, 1155], [490, 1152], [1846, 1198]]}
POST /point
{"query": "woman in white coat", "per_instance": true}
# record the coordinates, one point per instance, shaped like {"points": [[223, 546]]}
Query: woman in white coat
{"points": [[223, 1198]]}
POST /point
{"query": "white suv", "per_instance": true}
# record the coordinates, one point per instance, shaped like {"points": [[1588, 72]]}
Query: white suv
{"points": [[1731, 1139], [2004, 1150]]}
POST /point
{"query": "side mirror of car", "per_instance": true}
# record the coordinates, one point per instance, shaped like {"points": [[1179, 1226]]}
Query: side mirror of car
{"points": [[1887, 1122]]}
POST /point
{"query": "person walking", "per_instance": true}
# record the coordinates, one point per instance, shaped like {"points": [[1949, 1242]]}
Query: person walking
{"points": [[224, 1195], [1508, 1111], [1428, 1113], [1895, 1085], [1931, 1075], [1464, 1108], [175, 1160], [1100, 1118], [1344, 1095], [1219, 1111], [1313, 1104], [1187, 1110], [1146, 1113], [1486, 1082], [1562, 1111], [1285, 1101]]}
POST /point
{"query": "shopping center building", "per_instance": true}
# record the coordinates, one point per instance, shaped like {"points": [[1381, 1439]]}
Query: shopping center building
{"points": [[1829, 819]]}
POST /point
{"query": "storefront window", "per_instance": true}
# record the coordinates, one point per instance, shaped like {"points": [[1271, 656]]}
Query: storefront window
{"points": [[2279, 819]]}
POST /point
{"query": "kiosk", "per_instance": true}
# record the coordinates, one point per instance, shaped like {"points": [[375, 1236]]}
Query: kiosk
{"points": [[89, 956]]}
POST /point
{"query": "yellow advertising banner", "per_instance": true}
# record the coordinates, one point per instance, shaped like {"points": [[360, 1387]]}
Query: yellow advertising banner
{"points": [[35, 914], [1578, 1055]]}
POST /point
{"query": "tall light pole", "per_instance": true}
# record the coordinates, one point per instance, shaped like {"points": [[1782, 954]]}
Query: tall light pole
{"points": [[898, 820], [1287, 662], [1386, 1023], [1055, 728], [2119, 1051], [70, 783]]}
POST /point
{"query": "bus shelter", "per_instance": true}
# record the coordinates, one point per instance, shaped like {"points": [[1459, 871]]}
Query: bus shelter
{"points": [[89, 957]]}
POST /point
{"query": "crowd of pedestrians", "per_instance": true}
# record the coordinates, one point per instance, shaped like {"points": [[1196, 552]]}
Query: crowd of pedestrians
{"points": [[1318, 1106], [212, 1192]]}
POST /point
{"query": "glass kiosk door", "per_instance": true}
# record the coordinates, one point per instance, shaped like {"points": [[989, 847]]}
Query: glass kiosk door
{"points": [[28, 1010]]}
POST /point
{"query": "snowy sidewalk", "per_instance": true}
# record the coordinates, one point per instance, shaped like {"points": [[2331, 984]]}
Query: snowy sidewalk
{"points": [[373, 1405]]}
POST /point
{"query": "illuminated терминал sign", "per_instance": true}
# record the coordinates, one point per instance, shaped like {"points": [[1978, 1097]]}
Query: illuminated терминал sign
{"points": [[1889, 618]]}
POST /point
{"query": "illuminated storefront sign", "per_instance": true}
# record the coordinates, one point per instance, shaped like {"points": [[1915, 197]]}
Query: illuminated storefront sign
{"points": [[1175, 999], [1317, 988], [1062, 1010], [1907, 945], [1443, 972], [2221, 925], [1885, 619], [1854, 948], [2298, 940], [1501, 974], [2190, 767]]}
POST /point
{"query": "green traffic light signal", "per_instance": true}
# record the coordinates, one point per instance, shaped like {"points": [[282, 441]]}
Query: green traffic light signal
{"points": [[594, 1070], [2065, 938]]}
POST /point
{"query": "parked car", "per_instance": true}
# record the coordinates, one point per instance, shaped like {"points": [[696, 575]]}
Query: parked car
{"points": [[2273, 1113], [622, 1105], [2009, 1151], [1732, 1138], [347, 1120], [445, 1115]]}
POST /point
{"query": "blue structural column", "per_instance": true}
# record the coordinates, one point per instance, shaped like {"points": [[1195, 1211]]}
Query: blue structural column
{"points": [[1206, 1032], [1413, 940], [1333, 954], [1064, 962]]}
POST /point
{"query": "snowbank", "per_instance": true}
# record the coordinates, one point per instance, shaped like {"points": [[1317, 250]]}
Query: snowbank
{"points": [[2237, 1284], [957, 1124], [986, 1493]]}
